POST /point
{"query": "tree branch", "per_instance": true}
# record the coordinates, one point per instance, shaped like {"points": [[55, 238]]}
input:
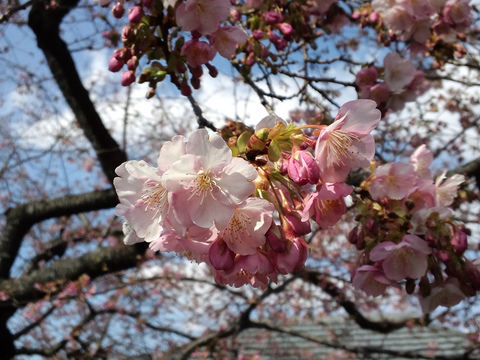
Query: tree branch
{"points": [[45, 24]]}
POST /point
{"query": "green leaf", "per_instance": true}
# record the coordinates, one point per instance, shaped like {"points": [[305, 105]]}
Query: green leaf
{"points": [[274, 151], [242, 141]]}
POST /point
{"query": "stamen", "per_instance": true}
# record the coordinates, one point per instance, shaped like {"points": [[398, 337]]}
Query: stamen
{"points": [[204, 185], [340, 141], [155, 198]]}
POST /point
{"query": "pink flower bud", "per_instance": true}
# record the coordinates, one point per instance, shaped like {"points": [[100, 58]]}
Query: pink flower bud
{"points": [[185, 89], [277, 41], [220, 255], [250, 61], [444, 256], [276, 239], [135, 14], [212, 70], [128, 77], [118, 10], [286, 29], [132, 63], [459, 241], [272, 18], [374, 17], [303, 169], [257, 34], [115, 65], [235, 15], [298, 226], [380, 93], [293, 259]]}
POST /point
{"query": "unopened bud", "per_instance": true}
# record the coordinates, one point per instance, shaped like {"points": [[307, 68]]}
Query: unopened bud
{"points": [[135, 14], [118, 10], [128, 78]]}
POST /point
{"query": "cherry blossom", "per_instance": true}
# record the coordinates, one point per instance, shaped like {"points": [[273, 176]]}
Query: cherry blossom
{"points": [[398, 72], [202, 15], [246, 230], [326, 204], [371, 280], [447, 189], [347, 143], [226, 39], [394, 180], [407, 259], [197, 52], [207, 184], [143, 199]]}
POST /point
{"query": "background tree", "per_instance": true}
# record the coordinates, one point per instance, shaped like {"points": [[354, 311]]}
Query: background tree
{"points": [[69, 287]]}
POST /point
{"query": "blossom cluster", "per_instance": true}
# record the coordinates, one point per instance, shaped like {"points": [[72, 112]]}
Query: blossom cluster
{"points": [[242, 206], [401, 83], [408, 235], [416, 20], [208, 27]]}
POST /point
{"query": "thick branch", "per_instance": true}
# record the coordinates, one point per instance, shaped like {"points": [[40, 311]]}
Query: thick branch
{"points": [[21, 218], [331, 289], [45, 24], [96, 263]]}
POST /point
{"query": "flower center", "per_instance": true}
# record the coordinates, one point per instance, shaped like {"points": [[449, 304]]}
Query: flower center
{"points": [[238, 227], [340, 141], [204, 185], [155, 198]]}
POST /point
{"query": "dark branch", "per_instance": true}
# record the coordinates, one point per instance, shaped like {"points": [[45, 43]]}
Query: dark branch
{"points": [[45, 24]]}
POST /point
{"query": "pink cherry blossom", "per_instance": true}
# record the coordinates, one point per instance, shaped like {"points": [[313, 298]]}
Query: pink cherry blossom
{"points": [[398, 72], [206, 183], [194, 244], [326, 204], [393, 180], [421, 159], [197, 52], [458, 13], [447, 189], [143, 199], [226, 39], [446, 294], [203, 16], [419, 219], [371, 280], [347, 143], [399, 19], [367, 76], [255, 270], [246, 230], [407, 259]]}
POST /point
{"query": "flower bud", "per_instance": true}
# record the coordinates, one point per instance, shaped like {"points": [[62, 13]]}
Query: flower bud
{"points": [[118, 10], [296, 225], [220, 255], [147, 3], [257, 34], [185, 89], [115, 65], [135, 14], [128, 78], [276, 239], [303, 169], [286, 29], [293, 259], [132, 63], [272, 18], [459, 241]]}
